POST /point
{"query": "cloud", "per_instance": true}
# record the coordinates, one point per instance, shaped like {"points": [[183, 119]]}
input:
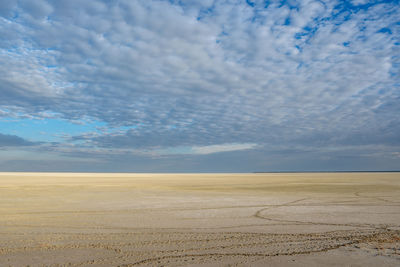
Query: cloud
{"points": [[201, 150], [202, 74], [204, 150], [7, 140]]}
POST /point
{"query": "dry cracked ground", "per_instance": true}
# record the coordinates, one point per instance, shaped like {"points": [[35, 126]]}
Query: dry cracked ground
{"points": [[296, 219]]}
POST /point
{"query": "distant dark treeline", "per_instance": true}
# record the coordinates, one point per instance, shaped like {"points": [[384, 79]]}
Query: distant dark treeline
{"points": [[318, 171]]}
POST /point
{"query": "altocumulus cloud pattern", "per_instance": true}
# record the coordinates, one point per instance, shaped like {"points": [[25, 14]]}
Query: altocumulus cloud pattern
{"points": [[199, 85]]}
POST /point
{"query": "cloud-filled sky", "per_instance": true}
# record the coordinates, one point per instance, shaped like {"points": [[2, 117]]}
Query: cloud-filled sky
{"points": [[199, 86]]}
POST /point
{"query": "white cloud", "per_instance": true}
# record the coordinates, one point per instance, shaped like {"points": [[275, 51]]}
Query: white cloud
{"points": [[194, 150], [203, 150], [186, 74]]}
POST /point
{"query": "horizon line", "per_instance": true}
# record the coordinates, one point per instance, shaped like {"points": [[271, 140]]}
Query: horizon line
{"points": [[253, 172]]}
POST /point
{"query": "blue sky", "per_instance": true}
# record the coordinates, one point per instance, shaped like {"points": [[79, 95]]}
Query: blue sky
{"points": [[46, 130], [199, 86]]}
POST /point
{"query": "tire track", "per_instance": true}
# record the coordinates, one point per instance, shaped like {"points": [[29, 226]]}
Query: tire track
{"points": [[349, 241], [259, 215]]}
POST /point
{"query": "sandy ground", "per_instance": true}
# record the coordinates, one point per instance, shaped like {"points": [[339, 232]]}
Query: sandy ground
{"points": [[302, 219]]}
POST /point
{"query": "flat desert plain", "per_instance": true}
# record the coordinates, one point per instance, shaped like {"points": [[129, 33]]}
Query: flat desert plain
{"points": [[282, 219]]}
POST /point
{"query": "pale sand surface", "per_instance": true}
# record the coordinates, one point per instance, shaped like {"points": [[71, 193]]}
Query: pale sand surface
{"points": [[298, 219]]}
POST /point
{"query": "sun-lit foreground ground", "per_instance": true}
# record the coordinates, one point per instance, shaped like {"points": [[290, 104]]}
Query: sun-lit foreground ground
{"points": [[298, 219]]}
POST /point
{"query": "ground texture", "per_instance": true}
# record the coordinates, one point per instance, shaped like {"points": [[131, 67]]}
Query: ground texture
{"points": [[299, 219]]}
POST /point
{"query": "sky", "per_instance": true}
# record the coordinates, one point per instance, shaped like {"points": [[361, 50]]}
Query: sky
{"points": [[199, 86]]}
